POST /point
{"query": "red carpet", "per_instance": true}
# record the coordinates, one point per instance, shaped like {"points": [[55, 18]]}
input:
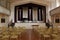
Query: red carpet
{"points": [[29, 34]]}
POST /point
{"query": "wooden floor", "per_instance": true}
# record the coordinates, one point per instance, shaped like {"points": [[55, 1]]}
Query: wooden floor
{"points": [[30, 34]]}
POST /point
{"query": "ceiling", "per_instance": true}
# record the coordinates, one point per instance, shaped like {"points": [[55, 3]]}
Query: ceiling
{"points": [[11, 1]]}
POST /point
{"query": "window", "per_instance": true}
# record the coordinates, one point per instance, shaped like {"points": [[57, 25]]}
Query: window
{"points": [[2, 20], [40, 14], [30, 18], [19, 14], [57, 20]]}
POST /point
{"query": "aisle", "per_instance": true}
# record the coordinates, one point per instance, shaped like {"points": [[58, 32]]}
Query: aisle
{"points": [[29, 34]]}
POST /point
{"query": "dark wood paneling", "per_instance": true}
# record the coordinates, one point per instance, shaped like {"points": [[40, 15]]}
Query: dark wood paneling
{"points": [[30, 6]]}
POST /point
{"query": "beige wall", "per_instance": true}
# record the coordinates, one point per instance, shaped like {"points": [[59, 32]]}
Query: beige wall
{"points": [[6, 20], [4, 10], [28, 25], [49, 6], [53, 4], [55, 16], [40, 2]]}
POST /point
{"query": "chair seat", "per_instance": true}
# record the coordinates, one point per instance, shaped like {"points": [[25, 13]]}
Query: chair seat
{"points": [[46, 35], [54, 35], [6, 36], [18, 33], [14, 36]]}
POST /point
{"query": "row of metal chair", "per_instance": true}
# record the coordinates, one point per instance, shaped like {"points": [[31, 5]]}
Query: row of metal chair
{"points": [[15, 33], [11, 33], [52, 33]]}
